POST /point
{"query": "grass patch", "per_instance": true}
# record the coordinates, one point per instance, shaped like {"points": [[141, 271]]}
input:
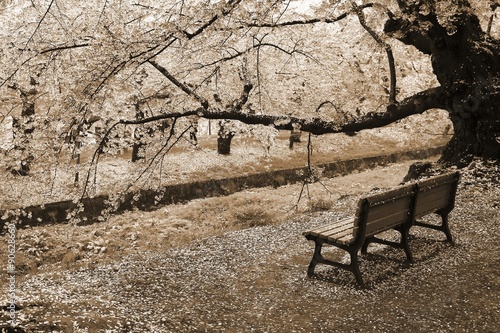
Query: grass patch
{"points": [[239, 210], [252, 215], [319, 204]]}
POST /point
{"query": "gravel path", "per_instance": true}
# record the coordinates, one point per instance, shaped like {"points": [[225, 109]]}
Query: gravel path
{"points": [[253, 280]]}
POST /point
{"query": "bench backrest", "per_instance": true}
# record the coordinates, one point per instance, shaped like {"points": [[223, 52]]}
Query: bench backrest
{"points": [[436, 193], [384, 211]]}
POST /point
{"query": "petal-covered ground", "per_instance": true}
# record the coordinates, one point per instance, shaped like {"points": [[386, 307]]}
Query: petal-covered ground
{"points": [[201, 267]]}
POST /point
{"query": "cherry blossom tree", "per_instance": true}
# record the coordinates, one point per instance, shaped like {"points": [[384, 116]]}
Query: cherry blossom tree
{"points": [[334, 68], [464, 58]]}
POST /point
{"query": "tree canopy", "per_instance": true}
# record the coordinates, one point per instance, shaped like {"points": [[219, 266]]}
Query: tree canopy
{"points": [[328, 66]]}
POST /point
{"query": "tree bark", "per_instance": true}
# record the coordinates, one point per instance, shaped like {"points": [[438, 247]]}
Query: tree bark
{"points": [[416, 104]]}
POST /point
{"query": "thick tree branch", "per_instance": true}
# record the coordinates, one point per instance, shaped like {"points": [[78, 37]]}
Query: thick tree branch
{"points": [[239, 103], [303, 22], [412, 31], [415, 104]]}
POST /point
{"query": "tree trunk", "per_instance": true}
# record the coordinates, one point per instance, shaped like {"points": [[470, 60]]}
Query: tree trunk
{"points": [[294, 137], [466, 63], [474, 109], [476, 134], [224, 144], [138, 152], [224, 137]]}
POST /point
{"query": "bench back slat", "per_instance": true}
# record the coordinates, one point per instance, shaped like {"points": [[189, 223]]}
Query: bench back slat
{"points": [[436, 193], [432, 199], [396, 213], [384, 211]]}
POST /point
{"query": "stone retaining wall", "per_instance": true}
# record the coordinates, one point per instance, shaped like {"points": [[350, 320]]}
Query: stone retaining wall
{"points": [[57, 212]]}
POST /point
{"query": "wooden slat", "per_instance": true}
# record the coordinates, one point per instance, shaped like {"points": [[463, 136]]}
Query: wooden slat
{"points": [[435, 193], [432, 200], [389, 211], [390, 195], [395, 199], [340, 225], [436, 188], [346, 240], [387, 222], [443, 179], [337, 232], [431, 203], [380, 211]]}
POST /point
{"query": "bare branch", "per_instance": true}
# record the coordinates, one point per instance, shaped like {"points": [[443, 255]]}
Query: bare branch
{"points": [[102, 11], [490, 21], [231, 4], [114, 71], [165, 146], [167, 45], [182, 86], [303, 22], [39, 23], [202, 28], [257, 46], [325, 103], [392, 68], [95, 158], [228, 58], [60, 48]]}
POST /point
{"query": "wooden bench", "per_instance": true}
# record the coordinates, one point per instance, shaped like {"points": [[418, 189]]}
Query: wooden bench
{"points": [[375, 214], [395, 209]]}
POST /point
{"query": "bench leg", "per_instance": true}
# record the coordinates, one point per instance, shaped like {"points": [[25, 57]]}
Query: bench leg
{"points": [[445, 227], [354, 267], [364, 248], [406, 244], [316, 258]]}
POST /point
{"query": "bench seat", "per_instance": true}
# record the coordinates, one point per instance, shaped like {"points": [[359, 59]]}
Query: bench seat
{"points": [[341, 232]]}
